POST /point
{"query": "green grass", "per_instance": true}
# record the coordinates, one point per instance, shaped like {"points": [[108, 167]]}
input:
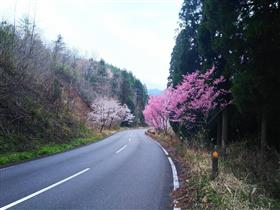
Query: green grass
{"points": [[15, 157]]}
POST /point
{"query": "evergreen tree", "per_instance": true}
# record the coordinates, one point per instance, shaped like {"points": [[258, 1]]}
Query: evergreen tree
{"points": [[185, 58]]}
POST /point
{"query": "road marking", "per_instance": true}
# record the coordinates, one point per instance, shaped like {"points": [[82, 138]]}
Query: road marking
{"points": [[165, 152], [175, 181], [129, 139], [43, 190], [118, 151], [174, 174]]}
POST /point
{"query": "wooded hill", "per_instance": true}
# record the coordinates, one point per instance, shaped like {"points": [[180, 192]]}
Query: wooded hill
{"points": [[46, 89]]}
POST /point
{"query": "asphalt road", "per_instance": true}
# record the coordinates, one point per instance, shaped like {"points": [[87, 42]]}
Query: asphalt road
{"points": [[125, 171]]}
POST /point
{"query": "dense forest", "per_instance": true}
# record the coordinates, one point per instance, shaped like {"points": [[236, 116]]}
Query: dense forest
{"points": [[46, 89], [241, 40], [223, 94]]}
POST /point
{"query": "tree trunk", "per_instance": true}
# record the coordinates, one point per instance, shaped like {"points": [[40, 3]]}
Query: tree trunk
{"points": [[224, 131], [263, 134], [111, 123], [101, 129], [218, 142]]}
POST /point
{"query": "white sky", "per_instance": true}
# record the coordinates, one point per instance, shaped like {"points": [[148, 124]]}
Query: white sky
{"points": [[137, 35]]}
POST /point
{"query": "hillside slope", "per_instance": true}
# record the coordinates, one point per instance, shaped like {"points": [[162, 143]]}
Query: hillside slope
{"points": [[46, 90]]}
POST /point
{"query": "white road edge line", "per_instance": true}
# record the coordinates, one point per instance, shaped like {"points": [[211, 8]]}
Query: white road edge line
{"points": [[43, 190], [174, 174], [118, 151], [165, 152]]}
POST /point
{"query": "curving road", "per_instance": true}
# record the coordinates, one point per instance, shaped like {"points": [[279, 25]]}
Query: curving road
{"points": [[125, 171]]}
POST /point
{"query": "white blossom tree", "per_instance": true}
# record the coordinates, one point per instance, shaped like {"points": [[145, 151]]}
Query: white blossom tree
{"points": [[126, 115], [106, 112]]}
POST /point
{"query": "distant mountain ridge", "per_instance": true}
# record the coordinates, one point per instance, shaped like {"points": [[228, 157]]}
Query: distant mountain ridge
{"points": [[154, 92]]}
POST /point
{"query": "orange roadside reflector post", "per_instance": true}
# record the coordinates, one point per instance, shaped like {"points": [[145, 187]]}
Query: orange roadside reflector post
{"points": [[215, 158], [215, 154]]}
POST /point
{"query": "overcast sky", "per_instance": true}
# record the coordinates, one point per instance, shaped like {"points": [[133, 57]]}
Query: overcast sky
{"points": [[137, 35]]}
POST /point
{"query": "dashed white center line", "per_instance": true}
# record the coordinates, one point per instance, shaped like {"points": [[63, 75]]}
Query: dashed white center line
{"points": [[129, 139], [43, 190], [122, 148]]}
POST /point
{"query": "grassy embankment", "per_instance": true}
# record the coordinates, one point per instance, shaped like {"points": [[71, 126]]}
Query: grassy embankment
{"points": [[238, 185], [51, 148]]}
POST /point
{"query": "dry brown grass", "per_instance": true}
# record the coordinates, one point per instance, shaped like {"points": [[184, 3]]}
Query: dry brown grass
{"points": [[236, 186]]}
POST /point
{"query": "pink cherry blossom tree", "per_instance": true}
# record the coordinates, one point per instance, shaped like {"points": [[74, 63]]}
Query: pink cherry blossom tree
{"points": [[189, 103], [197, 95], [157, 112]]}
